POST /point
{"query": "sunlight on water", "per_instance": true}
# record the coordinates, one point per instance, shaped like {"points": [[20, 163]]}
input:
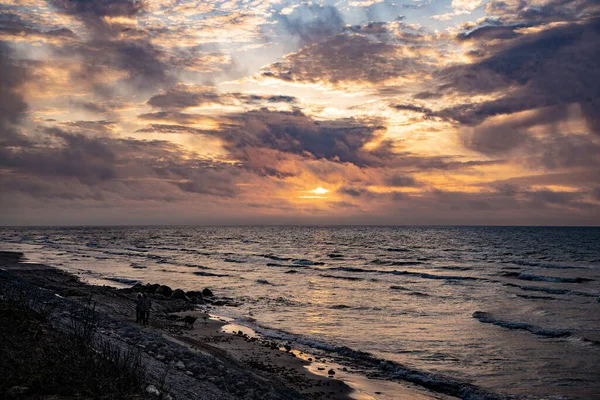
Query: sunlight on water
{"points": [[512, 310]]}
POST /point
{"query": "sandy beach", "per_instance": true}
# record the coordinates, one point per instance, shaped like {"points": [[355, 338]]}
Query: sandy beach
{"points": [[214, 359]]}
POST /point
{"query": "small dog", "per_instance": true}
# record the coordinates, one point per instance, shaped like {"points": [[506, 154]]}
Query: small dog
{"points": [[189, 321]]}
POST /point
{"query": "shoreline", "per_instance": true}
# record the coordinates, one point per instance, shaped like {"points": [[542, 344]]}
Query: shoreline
{"points": [[288, 373]]}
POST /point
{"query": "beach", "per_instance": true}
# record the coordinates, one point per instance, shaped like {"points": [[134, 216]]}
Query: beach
{"points": [[392, 312], [214, 359]]}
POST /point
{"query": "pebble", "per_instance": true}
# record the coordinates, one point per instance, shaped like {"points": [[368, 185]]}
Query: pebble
{"points": [[160, 357], [152, 390], [179, 365]]}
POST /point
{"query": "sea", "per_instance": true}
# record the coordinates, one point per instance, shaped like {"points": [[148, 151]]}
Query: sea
{"points": [[514, 311]]}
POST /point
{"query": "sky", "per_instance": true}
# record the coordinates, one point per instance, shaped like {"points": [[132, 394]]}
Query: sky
{"points": [[453, 112]]}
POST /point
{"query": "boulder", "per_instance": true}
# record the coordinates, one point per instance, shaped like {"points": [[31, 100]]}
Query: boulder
{"points": [[179, 294], [207, 293], [164, 290], [151, 288], [138, 287], [194, 293]]}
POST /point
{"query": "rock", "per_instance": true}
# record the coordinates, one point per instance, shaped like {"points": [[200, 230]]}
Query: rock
{"points": [[287, 347], [160, 357], [179, 365], [194, 293], [138, 287], [152, 390], [207, 293], [164, 290], [331, 372], [179, 294], [151, 288], [189, 373]]}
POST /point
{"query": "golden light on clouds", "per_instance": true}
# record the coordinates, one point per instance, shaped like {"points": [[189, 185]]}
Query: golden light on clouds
{"points": [[297, 108]]}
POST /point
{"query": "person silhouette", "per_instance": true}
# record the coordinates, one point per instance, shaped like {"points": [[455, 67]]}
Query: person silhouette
{"points": [[146, 307], [139, 302]]}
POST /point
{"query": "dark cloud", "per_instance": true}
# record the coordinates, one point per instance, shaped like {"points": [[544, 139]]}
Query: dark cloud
{"points": [[490, 32], [426, 112], [102, 164], [89, 160], [349, 58], [311, 23], [99, 8], [293, 132], [555, 67], [12, 24], [183, 97], [523, 12], [400, 181], [113, 46], [357, 192]]}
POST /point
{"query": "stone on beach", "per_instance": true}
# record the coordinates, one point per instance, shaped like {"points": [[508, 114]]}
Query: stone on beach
{"points": [[179, 294], [164, 290]]}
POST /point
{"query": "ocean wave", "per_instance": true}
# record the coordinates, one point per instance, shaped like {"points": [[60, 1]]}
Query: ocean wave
{"points": [[423, 275], [286, 265], [551, 290], [274, 257], [490, 319], [557, 279], [454, 268], [196, 266], [386, 369], [378, 261], [303, 261], [126, 281], [339, 307], [543, 265], [203, 273], [533, 297], [265, 282], [347, 278]]}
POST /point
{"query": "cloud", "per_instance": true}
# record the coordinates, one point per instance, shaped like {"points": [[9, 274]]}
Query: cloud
{"points": [[186, 96], [14, 27], [340, 141], [115, 46], [311, 23], [467, 5], [12, 103], [69, 158], [353, 58]]}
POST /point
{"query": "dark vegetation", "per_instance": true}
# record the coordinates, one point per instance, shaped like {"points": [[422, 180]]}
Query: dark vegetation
{"points": [[38, 361]]}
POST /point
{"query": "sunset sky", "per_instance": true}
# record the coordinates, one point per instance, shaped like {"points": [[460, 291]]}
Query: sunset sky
{"points": [[330, 112]]}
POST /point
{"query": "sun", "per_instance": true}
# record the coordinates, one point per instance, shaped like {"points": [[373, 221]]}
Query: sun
{"points": [[320, 190]]}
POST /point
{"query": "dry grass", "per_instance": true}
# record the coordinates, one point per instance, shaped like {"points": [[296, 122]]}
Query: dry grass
{"points": [[38, 361]]}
